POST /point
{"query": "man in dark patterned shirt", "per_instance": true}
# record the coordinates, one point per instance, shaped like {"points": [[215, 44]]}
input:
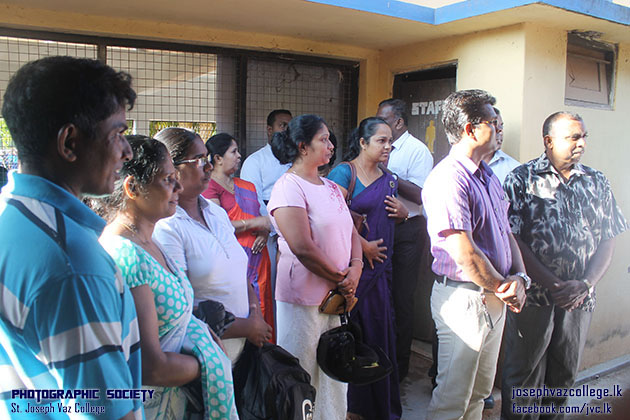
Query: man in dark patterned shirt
{"points": [[565, 218]]}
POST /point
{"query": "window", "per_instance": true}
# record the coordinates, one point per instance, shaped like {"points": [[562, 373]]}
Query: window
{"points": [[590, 72], [206, 89], [204, 129]]}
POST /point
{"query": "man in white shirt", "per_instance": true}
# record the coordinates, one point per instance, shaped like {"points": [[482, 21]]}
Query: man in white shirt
{"points": [[263, 169], [411, 161], [500, 162]]}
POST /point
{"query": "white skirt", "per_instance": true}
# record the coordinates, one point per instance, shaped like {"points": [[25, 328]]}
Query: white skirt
{"points": [[299, 329]]}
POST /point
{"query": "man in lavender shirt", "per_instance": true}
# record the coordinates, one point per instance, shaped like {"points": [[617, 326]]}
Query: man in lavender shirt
{"points": [[478, 263]]}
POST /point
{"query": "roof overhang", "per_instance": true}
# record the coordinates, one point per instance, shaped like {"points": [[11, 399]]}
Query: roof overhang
{"points": [[371, 24]]}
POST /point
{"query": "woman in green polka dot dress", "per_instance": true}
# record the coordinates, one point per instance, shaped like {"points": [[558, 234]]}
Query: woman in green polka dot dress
{"points": [[177, 348]]}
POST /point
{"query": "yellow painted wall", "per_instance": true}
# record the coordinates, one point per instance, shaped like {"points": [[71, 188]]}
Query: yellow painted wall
{"points": [[491, 60], [523, 66], [609, 336]]}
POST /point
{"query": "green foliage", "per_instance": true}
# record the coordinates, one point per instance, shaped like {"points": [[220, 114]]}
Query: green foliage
{"points": [[6, 142], [204, 129]]}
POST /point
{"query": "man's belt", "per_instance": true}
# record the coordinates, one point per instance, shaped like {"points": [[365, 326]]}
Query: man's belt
{"points": [[454, 283]]}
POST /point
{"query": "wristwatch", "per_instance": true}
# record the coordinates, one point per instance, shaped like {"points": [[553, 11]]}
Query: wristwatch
{"points": [[588, 284], [526, 279]]}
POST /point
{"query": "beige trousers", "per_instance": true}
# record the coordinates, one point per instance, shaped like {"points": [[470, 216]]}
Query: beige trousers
{"points": [[468, 351]]}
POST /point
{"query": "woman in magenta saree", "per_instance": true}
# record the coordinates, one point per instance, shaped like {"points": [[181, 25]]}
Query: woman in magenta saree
{"points": [[239, 199], [374, 196]]}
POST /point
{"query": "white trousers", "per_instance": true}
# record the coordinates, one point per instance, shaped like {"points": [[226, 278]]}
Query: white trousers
{"points": [[299, 329], [468, 351]]}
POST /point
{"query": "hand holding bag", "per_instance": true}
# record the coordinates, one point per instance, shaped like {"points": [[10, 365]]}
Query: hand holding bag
{"points": [[335, 304], [343, 356], [214, 314]]}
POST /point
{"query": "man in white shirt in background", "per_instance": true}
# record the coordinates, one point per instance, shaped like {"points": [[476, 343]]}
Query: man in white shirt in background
{"points": [[500, 162], [411, 160], [262, 169]]}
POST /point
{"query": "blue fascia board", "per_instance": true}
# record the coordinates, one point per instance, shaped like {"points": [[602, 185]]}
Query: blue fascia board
{"points": [[471, 8], [601, 9], [397, 9]]}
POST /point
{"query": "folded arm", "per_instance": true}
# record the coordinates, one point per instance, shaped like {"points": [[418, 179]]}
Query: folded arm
{"points": [[294, 226], [476, 266]]}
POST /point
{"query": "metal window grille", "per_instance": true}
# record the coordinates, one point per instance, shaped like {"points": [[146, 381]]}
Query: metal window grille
{"points": [[302, 89], [204, 89], [14, 53]]}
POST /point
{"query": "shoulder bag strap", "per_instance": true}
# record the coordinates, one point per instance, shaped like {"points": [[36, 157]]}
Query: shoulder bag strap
{"points": [[353, 182]]}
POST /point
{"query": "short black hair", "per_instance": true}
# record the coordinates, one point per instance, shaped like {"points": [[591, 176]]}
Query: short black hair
{"points": [[462, 107], [271, 118], [218, 145], [399, 108], [46, 94], [550, 120], [148, 155], [365, 130]]}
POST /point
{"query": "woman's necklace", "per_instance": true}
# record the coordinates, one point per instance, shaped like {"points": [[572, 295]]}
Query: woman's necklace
{"points": [[131, 228], [135, 233], [367, 178], [148, 246], [228, 186], [315, 180]]}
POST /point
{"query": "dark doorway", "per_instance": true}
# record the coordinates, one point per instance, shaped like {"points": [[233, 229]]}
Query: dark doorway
{"points": [[424, 91]]}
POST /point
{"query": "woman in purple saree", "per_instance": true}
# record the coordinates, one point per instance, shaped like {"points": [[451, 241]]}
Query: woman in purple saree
{"points": [[373, 195]]}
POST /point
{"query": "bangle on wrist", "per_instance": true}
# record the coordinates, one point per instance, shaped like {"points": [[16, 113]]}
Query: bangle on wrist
{"points": [[357, 259]]}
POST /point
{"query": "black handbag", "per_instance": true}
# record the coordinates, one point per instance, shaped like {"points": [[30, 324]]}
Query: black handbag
{"points": [[214, 314], [342, 355], [269, 383]]}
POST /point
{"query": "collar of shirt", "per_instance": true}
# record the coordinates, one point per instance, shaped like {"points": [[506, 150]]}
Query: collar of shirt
{"points": [[400, 141], [204, 206], [483, 172], [498, 155], [467, 162], [543, 165], [41, 189]]}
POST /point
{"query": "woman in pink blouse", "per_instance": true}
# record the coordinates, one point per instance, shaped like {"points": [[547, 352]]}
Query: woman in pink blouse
{"points": [[319, 250]]}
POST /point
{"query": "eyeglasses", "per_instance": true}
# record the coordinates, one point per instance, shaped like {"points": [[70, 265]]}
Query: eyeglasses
{"points": [[493, 122], [201, 161]]}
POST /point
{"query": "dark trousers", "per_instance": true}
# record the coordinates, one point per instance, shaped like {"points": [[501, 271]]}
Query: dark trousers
{"points": [[408, 248], [543, 346]]}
